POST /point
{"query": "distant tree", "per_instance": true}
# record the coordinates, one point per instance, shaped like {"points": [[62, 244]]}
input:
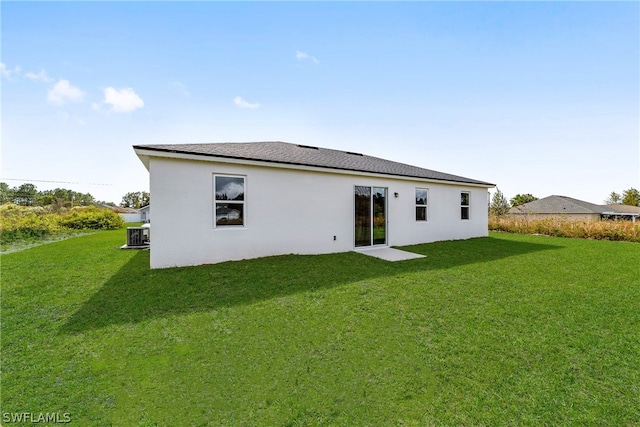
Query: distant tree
{"points": [[130, 200], [44, 199], [7, 194], [521, 199], [631, 197], [83, 199], [499, 205], [136, 199], [25, 195], [63, 197], [613, 198]]}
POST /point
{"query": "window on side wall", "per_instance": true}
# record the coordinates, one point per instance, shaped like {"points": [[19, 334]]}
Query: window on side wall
{"points": [[421, 204], [229, 204], [464, 204]]}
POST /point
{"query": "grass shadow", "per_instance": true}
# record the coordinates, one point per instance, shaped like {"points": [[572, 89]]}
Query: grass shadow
{"points": [[136, 293]]}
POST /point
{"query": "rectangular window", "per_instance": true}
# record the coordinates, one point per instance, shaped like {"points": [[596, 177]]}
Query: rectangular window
{"points": [[229, 200], [464, 205], [421, 204]]}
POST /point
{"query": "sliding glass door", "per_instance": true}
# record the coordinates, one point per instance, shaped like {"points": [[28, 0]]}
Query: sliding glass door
{"points": [[370, 216], [379, 217], [363, 216]]}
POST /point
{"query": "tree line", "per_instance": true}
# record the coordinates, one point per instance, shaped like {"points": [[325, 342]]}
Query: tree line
{"points": [[28, 195], [500, 206], [629, 197]]}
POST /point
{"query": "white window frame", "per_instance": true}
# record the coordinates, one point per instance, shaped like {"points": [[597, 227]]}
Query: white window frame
{"points": [[235, 202], [425, 206], [467, 206]]}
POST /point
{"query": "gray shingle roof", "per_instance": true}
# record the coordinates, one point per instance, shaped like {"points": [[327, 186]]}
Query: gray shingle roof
{"points": [[558, 204], [292, 154], [617, 207]]}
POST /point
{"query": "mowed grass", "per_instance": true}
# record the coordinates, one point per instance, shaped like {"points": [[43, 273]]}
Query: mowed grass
{"points": [[505, 330]]}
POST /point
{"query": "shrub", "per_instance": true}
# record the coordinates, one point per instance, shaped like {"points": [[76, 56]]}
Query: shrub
{"points": [[19, 223], [600, 230], [91, 218], [27, 223]]}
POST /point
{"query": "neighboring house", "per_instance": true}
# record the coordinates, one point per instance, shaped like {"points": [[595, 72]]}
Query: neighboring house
{"points": [[618, 211], [145, 213], [248, 200], [127, 214], [572, 209]]}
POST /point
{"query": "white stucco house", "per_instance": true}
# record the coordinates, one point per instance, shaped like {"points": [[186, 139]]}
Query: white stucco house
{"points": [[230, 201], [145, 213], [127, 214]]}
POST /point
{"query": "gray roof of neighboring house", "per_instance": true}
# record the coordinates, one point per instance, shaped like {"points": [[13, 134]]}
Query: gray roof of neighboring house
{"points": [[120, 209], [558, 204], [618, 208], [292, 154]]}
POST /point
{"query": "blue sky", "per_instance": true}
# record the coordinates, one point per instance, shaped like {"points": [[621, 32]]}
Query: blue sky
{"points": [[538, 98]]}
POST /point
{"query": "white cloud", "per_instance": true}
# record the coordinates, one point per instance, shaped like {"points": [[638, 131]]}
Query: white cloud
{"points": [[122, 100], [7, 72], [241, 103], [41, 76], [63, 92], [302, 56]]}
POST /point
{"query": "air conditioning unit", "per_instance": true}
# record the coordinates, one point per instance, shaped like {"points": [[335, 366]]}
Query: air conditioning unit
{"points": [[137, 236]]}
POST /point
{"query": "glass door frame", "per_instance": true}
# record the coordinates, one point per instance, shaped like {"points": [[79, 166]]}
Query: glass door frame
{"points": [[360, 240]]}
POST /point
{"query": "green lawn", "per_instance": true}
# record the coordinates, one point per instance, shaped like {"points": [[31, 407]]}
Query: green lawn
{"points": [[505, 330]]}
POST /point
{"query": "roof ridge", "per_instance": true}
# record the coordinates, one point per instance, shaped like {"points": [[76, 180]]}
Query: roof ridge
{"points": [[560, 204]]}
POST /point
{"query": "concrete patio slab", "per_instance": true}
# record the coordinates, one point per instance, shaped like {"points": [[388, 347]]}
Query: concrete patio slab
{"points": [[389, 254]]}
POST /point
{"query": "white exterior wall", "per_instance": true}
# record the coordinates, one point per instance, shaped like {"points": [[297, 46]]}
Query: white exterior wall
{"points": [[145, 214], [134, 217], [291, 211]]}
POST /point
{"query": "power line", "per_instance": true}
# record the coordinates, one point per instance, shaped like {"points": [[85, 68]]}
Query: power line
{"points": [[55, 182]]}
